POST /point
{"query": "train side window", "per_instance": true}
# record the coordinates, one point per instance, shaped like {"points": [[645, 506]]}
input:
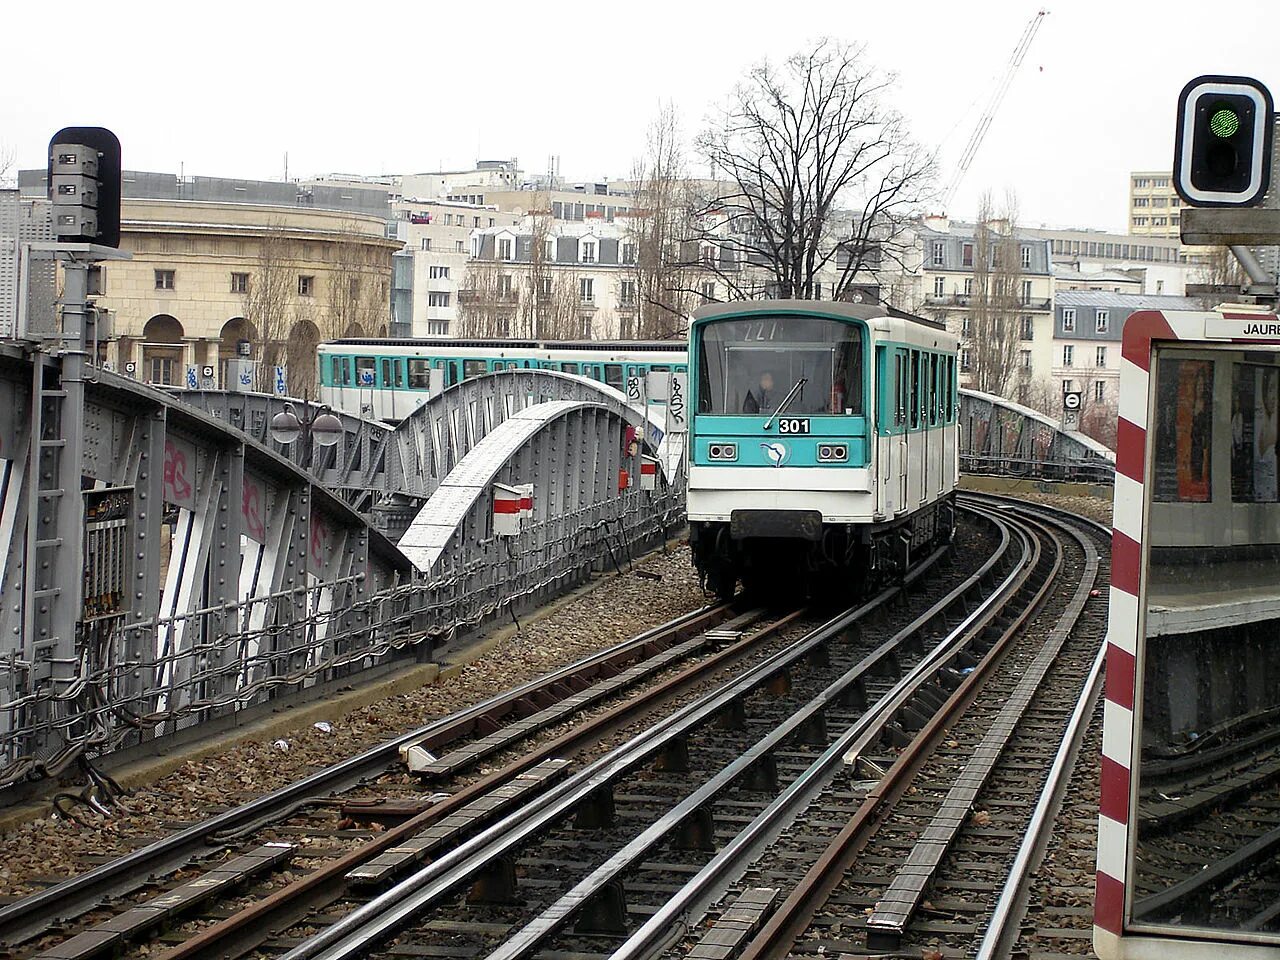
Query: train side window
{"points": [[474, 368], [366, 369], [419, 374], [953, 395], [342, 371], [933, 388], [512, 365], [900, 383], [568, 368], [613, 375], [915, 389], [950, 368]]}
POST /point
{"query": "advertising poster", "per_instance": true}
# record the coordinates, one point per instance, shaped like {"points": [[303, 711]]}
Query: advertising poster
{"points": [[1184, 433], [1255, 431]]}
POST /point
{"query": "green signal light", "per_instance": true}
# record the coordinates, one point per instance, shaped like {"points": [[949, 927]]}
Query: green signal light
{"points": [[1224, 122]]}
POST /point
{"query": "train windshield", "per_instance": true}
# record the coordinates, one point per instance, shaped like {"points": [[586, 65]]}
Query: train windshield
{"points": [[749, 366]]}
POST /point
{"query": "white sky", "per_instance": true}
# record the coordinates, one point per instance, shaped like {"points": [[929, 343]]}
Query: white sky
{"points": [[226, 89]]}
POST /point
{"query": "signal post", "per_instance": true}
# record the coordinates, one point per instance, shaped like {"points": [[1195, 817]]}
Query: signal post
{"points": [[84, 175]]}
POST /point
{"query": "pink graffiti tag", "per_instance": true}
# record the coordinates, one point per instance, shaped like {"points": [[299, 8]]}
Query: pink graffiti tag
{"points": [[251, 509], [319, 538], [176, 486]]}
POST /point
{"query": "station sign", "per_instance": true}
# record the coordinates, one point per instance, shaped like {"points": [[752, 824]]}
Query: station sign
{"points": [[1071, 402], [1263, 326]]}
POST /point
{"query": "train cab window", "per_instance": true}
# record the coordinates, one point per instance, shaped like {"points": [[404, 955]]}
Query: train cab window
{"points": [[366, 371], [419, 374], [613, 375], [474, 368], [750, 366], [568, 368]]}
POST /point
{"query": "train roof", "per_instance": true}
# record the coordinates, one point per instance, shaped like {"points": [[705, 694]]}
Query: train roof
{"points": [[637, 345], [852, 311]]}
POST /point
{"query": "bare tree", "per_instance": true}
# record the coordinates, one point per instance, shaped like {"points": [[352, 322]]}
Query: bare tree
{"points": [[656, 226], [822, 176], [536, 295], [482, 304], [6, 163], [269, 300], [357, 296], [994, 316], [1219, 268]]}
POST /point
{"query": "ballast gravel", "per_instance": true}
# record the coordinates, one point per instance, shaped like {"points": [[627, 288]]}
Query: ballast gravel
{"points": [[661, 587]]}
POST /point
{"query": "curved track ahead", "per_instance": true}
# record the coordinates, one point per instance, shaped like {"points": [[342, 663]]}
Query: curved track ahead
{"points": [[764, 807]]}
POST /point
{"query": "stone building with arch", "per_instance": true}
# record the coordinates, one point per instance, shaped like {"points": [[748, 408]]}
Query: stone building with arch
{"points": [[211, 281]]}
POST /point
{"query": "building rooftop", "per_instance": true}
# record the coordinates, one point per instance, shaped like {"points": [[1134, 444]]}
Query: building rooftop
{"points": [[1130, 301]]}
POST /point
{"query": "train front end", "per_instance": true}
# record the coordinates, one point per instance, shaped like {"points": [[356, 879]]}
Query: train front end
{"points": [[780, 458]]}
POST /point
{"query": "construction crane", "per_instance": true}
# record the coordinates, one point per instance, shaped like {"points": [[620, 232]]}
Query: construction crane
{"points": [[997, 96]]}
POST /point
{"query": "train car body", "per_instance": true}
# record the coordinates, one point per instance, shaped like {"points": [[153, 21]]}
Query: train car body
{"points": [[390, 378], [823, 440]]}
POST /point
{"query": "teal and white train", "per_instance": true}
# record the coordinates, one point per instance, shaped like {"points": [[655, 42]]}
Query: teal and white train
{"points": [[389, 379], [823, 441]]}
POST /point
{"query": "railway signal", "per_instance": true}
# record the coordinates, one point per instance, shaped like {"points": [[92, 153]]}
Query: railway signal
{"points": [[1222, 151], [84, 185]]}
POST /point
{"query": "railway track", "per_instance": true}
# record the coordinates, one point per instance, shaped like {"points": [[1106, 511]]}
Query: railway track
{"points": [[179, 885], [940, 851], [688, 816], [522, 712]]}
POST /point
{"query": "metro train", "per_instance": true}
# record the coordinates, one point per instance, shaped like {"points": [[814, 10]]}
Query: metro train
{"points": [[390, 378], [823, 442]]}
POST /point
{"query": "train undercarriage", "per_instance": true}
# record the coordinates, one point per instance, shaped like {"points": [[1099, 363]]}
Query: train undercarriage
{"points": [[793, 553]]}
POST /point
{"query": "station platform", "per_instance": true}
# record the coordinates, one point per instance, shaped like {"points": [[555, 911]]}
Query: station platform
{"points": [[1191, 598]]}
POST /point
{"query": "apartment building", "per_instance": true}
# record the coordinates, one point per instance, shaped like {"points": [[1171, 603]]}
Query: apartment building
{"points": [[1155, 209], [551, 279], [949, 252], [1087, 329], [22, 220], [431, 267], [1161, 263]]}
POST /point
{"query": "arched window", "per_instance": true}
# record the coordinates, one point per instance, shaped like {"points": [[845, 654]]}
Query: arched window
{"points": [[162, 350]]}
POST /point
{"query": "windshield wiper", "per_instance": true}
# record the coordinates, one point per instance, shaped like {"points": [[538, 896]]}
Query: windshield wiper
{"points": [[785, 401]]}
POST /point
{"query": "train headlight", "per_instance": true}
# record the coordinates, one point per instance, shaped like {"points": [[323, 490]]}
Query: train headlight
{"points": [[722, 451], [833, 453]]}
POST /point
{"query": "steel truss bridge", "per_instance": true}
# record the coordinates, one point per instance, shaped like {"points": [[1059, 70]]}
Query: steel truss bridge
{"points": [[202, 571]]}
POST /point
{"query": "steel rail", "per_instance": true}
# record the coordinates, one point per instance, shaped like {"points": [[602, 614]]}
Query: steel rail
{"points": [[782, 929], [29, 916], [672, 920], [1002, 929], [244, 930], [356, 933]]}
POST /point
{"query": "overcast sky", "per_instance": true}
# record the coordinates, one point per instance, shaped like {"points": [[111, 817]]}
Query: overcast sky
{"points": [[227, 89]]}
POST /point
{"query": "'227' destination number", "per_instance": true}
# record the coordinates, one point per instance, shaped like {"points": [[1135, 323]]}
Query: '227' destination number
{"points": [[793, 425]]}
